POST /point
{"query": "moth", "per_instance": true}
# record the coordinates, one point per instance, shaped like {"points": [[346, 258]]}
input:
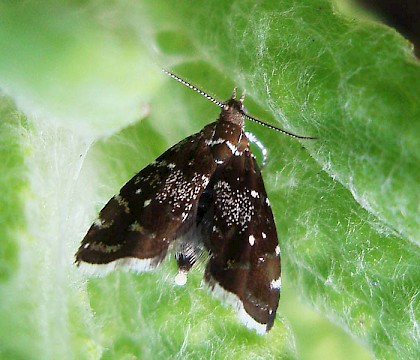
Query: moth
{"points": [[205, 195]]}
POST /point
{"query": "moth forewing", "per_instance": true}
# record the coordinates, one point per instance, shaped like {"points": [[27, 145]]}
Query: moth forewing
{"points": [[244, 265], [135, 228]]}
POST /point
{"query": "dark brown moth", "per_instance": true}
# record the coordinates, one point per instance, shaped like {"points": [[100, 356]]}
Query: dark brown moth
{"points": [[203, 195]]}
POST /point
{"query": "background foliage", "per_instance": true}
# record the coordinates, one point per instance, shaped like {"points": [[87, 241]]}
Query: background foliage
{"points": [[78, 76]]}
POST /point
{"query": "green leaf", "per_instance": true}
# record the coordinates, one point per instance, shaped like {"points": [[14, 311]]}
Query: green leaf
{"points": [[346, 205]]}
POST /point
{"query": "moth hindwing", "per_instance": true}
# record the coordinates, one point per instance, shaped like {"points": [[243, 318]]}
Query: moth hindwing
{"points": [[205, 194]]}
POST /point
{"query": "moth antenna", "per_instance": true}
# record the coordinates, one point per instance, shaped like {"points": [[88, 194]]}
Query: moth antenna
{"points": [[221, 105], [196, 89], [249, 117]]}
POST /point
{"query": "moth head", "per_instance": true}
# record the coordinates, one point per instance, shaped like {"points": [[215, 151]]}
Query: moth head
{"points": [[234, 110]]}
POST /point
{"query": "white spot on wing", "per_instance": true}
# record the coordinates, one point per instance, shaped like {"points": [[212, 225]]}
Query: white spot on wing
{"points": [[264, 235], [276, 284], [277, 250], [251, 240], [254, 194], [147, 202], [184, 216]]}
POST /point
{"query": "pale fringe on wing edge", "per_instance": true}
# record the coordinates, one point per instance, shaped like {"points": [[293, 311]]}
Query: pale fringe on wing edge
{"points": [[231, 299], [126, 264]]}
